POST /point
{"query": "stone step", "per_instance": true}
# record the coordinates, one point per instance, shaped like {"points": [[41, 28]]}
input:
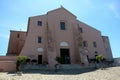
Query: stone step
{"points": [[71, 66], [34, 67], [74, 66], [62, 67]]}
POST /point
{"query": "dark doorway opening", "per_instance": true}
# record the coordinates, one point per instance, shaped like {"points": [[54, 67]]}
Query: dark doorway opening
{"points": [[39, 59], [66, 55]]}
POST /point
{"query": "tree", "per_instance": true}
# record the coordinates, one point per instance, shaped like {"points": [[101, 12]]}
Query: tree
{"points": [[100, 58], [20, 60]]}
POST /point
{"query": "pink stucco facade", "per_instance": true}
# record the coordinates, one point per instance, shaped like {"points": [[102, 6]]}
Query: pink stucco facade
{"points": [[59, 33]]}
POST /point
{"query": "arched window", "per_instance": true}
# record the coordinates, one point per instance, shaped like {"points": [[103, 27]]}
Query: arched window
{"points": [[64, 44], [40, 49]]}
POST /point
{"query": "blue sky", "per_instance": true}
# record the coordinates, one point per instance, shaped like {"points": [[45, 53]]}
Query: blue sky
{"points": [[103, 15]]}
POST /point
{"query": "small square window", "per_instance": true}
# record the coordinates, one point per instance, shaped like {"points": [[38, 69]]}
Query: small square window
{"points": [[79, 28], [39, 40], [39, 23], [62, 25], [94, 44], [85, 43]]}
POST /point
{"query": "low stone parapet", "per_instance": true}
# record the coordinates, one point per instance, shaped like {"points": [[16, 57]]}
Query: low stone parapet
{"points": [[8, 63]]}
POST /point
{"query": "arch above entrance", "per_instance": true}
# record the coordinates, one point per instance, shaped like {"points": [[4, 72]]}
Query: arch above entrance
{"points": [[40, 49], [64, 44]]}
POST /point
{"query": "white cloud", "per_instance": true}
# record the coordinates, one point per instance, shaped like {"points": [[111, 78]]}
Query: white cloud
{"points": [[114, 9]]}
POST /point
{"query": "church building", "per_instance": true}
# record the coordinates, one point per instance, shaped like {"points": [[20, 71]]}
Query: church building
{"points": [[58, 33]]}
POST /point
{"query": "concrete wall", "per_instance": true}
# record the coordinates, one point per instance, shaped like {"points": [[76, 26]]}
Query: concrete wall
{"points": [[107, 47], [7, 66], [8, 63]]}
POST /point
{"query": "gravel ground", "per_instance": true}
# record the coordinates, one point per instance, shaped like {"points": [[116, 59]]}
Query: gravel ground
{"points": [[112, 73]]}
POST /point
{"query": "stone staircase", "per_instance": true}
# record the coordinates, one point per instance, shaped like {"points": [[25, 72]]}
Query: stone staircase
{"points": [[72, 66], [63, 67], [34, 67]]}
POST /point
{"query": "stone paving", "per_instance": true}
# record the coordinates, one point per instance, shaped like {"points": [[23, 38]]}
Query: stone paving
{"points": [[111, 73]]}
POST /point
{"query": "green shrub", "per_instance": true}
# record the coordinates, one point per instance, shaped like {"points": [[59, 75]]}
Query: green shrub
{"points": [[20, 60], [59, 60], [99, 57]]}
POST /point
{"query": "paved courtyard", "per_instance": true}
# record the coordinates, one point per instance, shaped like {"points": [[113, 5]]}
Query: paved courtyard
{"points": [[112, 73]]}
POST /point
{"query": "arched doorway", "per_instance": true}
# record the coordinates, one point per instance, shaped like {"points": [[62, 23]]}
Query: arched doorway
{"points": [[65, 52]]}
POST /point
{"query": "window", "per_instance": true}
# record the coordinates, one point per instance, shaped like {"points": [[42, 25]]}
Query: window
{"points": [[18, 35], [85, 44], [79, 28], [94, 44], [39, 23], [62, 25], [39, 40]]}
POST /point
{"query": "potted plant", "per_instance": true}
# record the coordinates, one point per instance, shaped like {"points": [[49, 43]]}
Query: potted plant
{"points": [[60, 61]]}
